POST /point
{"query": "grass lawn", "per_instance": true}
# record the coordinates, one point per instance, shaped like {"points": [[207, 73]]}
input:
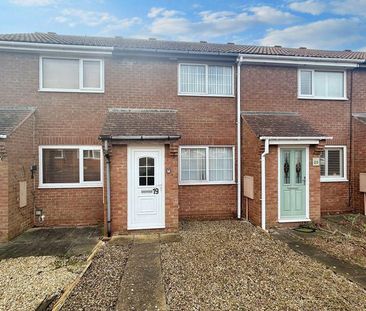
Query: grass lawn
{"points": [[231, 265]]}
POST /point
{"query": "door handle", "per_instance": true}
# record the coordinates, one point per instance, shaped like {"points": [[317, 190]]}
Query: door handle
{"points": [[155, 190], [304, 180]]}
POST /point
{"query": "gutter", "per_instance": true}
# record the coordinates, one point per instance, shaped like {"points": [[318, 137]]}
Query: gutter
{"points": [[47, 47], [249, 57], [143, 137], [263, 183], [238, 135], [108, 176], [295, 138]]}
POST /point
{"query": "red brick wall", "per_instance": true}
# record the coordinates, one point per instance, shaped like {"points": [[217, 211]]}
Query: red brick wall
{"points": [[272, 88], [76, 118], [251, 166], [359, 162], [20, 157], [4, 219], [359, 137], [119, 190]]}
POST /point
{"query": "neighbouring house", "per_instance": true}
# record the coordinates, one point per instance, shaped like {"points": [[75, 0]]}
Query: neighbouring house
{"points": [[17, 154], [138, 134]]}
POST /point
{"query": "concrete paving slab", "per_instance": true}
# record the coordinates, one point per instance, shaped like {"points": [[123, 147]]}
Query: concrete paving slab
{"points": [[146, 238], [170, 237], [121, 240], [142, 285], [67, 242]]}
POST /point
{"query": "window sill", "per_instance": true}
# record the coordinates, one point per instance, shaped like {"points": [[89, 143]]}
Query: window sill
{"points": [[207, 183], [70, 186], [206, 95], [70, 91], [323, 98], [333, 180], [294, 220]]}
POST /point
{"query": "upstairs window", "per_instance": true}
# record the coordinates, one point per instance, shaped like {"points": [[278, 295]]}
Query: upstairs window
{"points": [[318, 84], [333, 164], [71, 75], [205, 80]]}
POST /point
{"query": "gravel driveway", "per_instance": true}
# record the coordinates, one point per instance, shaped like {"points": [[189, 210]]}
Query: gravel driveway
{"points": [[26, 281], [231, 265], [99, 287]]}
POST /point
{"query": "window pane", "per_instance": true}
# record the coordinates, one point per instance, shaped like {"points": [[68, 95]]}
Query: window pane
{"points": [[91, 165], [320, 84], [193, 164], [335, 84], [192, 79], [60, 73], [221, 163], [57, 169], [220, 80], [146, 171], [91, 74], [335, 163], [305, 82]]}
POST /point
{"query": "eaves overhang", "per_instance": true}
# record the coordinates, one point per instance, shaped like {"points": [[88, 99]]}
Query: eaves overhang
{"points": [[300, 61]]}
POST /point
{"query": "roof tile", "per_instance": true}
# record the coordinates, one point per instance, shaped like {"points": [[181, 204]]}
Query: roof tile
{"points": [[120, 43]]}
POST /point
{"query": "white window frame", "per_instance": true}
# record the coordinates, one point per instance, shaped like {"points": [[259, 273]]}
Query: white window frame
{"points": [[312, 96], [331, 178], [207, 181], [180, 93], [81, 88], [81, 183]]}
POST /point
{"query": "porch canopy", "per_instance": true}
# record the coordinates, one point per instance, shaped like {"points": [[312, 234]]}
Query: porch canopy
{"points": [[140, 124], [11, 118], [282, 128]]}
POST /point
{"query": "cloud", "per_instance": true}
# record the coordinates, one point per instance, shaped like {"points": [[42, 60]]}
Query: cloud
{"points": [[349, 7], [336, 7], [32, 2], [211, 24], [325, 34], [110, 23], [311, 7]]}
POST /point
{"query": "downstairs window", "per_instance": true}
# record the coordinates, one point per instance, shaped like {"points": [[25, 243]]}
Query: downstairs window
{"points": [[206, 165], [333, 162], [70, 166]]}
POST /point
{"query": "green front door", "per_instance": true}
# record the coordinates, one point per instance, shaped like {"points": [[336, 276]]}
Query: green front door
{"points": [[293, 184]]}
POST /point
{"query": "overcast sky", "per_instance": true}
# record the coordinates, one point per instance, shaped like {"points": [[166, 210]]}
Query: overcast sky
{"points": [[331, 24]]}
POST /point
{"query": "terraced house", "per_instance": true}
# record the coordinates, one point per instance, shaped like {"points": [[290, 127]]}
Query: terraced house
{"points": [[139, 134]]}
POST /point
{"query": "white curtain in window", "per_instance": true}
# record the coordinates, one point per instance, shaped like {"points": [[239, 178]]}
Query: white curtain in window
{"points": [[193, 164], [335, 84], [329, 84], [60, 73], [306, 82], [221, 164], [91, 74], [320, 84], [220, 80], [193, 79]]}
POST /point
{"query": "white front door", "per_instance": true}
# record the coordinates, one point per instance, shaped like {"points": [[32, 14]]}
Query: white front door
{"points": [[146, 207]]}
